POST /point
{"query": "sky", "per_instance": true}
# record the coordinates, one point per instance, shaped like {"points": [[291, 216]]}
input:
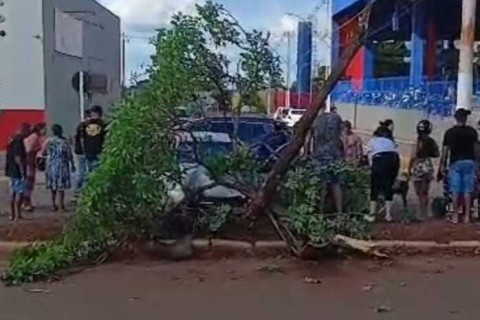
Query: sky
{"points": [[140, 18]]}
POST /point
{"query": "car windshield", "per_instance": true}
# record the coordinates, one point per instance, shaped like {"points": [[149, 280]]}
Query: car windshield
{"points": [[248, 131], [205, 150]]}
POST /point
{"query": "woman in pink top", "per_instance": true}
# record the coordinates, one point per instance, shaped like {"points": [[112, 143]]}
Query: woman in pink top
{"points": [[353, 145], [33, 146]]}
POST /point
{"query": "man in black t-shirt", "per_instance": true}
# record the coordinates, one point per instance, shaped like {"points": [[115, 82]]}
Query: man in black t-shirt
{"points": [[15, 170], [80, 155], [92, 137], [459, 145]]}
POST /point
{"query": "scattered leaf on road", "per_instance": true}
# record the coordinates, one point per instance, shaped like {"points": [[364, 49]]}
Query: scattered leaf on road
{"points": [[383, 309], [309, 280], [368, 287], [271, 268], [46, 291]]}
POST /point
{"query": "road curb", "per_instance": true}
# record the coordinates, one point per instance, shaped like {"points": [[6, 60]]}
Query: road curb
{"points": [[266, 249]]}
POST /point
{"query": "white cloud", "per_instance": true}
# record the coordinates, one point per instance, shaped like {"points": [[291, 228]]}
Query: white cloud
{"points": [[139, 16], [140, 19], [287, 23]]}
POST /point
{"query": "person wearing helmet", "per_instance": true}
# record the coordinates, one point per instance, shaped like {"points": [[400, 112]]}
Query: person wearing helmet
{"points": [[458, 151], [420, 168]]}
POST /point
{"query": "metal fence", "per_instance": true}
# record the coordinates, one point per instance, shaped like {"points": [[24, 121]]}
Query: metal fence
{"points": [[432, 97]]}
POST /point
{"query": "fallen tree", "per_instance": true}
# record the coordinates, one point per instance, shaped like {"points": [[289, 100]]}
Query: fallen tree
{"points": [[127, 198], [267, 193]]}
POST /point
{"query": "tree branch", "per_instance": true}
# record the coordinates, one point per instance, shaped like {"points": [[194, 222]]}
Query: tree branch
{"points": [[266, 195]]}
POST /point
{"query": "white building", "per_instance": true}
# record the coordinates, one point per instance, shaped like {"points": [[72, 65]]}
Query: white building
{"points": [[43, 43]]}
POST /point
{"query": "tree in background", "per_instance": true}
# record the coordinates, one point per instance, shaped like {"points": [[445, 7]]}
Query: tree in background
{"points": [[390, 59]]}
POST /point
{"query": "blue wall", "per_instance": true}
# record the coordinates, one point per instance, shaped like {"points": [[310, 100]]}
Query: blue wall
{"points": [[339, 5], [304, 57]]}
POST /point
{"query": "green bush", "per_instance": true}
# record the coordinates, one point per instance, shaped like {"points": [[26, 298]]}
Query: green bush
{"points": [[309, 208]]}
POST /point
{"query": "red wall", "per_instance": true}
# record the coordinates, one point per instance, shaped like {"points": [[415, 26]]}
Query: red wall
{"points": [[10, 121], [356, 69], [302, 100], [431, 61]]}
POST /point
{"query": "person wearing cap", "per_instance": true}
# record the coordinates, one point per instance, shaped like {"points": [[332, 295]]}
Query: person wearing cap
{"points": [[458, 151], [421, 168]]}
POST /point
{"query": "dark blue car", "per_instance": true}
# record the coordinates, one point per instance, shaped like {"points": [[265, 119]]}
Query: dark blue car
{"points": [[264, 136]]}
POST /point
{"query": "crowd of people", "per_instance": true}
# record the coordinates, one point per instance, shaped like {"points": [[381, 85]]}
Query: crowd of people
{"points": [[334, 140], [30, 151]]}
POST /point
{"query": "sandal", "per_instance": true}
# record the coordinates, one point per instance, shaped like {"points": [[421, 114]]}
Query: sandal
{"points": [[452, 221]]}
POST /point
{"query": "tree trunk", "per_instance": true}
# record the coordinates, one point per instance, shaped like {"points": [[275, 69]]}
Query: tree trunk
{"points": [[266, 194]]}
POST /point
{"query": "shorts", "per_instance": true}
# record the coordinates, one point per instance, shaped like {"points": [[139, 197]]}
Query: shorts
{"points": [[17, 186], [329, 172], [461, 176], [91, 164]]}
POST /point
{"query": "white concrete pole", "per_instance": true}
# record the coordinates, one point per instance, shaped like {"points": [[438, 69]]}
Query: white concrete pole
{"points": [[465, 68], [81, 94], [328, 62], [289, 62]]}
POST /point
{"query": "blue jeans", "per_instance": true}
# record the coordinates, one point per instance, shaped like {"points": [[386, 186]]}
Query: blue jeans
{"points": [[17, 186], [84, 167], [81, 173], [461, 176], [91, 164]]}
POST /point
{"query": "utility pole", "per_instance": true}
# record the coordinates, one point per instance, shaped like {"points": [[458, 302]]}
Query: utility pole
{"points": [[328, 58], [81, 94], [122, 58], [289, 64], [465, 69]]}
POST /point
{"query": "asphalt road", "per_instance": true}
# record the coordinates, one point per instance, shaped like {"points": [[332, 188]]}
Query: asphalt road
{"points": [[417, 289]]}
